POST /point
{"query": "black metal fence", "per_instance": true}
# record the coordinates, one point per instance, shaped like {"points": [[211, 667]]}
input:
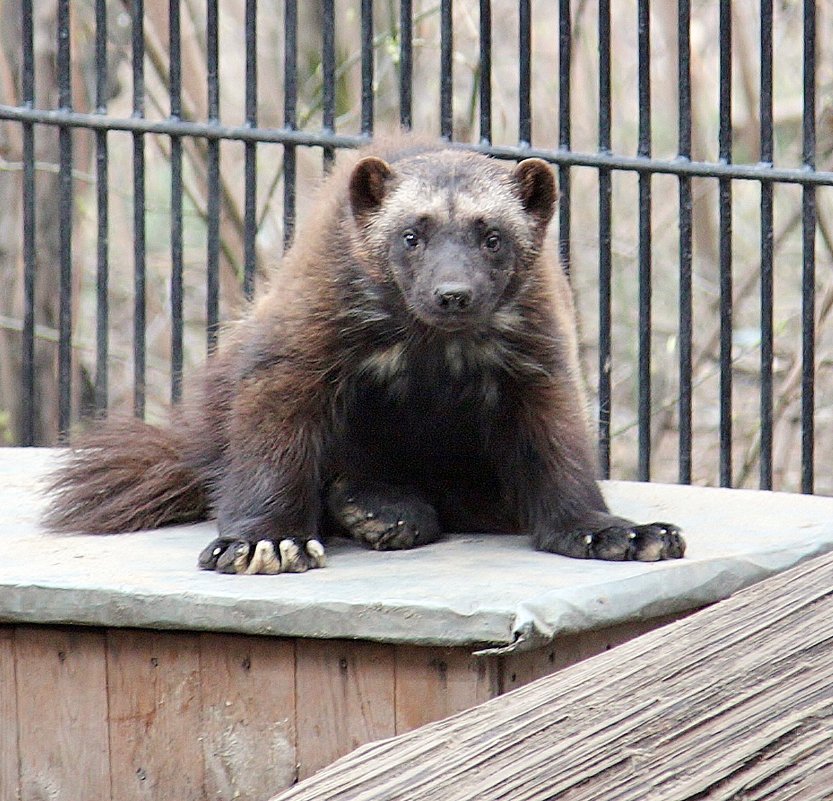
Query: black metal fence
{"points": [[31, 115]]}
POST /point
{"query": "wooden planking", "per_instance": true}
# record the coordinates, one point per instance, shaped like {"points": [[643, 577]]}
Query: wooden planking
{"points": [[155, 715], [62, 714], [520, 669], [248, 698], [345, 695], [9, 755], [736, 701], [214, 715], [433, 683]]}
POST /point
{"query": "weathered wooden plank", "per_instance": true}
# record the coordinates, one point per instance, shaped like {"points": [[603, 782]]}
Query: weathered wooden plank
{"points": [[155, 715], [345, 698], [734, 701], [62, 715], [248, 698], [9, 754], [433, 683]]}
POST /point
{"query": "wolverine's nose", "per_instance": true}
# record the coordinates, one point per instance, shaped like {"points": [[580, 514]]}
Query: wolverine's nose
{"points": [[453, 296]]}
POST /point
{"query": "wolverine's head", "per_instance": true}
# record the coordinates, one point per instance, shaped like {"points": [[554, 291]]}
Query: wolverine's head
{"points": [[455, 231]]}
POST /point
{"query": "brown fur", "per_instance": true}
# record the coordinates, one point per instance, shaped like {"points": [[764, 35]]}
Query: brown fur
{"points": [[99, 483], [413, 365]]}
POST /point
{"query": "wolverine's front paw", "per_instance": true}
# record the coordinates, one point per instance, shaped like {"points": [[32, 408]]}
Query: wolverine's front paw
{"points": [[650, 542], [615, 539], [289, 555]]}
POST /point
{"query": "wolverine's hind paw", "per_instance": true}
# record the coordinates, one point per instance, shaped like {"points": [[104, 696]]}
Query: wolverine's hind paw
{"points": [[382, 517], [267, 557]]}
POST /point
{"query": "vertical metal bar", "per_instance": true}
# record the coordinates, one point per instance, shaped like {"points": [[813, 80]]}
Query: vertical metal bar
{"points": [[213, 210], [367, 67], [685, 235], [446, 75], [290, 102], [177, 267], [485, 72], [767, 333], [605, 241], [328, 66], [65, 223], [725, 248], [406, 64], [644, 150], [250, 156], [525, 68], [102, 317], [27, 418], [139, 284], [564, 58], [808, 235]]}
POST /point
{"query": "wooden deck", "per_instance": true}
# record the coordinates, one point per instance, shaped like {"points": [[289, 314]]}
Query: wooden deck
{"points": [[735, 702]]}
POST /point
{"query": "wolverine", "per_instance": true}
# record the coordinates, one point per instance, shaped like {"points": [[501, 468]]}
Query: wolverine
{"points": [[411, 371]]}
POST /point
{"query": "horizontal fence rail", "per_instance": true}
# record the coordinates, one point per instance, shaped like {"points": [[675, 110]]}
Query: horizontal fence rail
{"points": [[391, 50]]}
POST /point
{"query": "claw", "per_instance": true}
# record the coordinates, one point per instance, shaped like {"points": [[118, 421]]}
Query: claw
{"points": [[264, 560], [235, 558], [292, 560], [315, 552], [265, 557]]}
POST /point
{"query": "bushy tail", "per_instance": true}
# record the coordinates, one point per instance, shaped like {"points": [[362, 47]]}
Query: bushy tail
{"points": [[125, 475]]}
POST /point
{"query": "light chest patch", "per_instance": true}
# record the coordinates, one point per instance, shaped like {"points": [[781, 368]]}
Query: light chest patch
{"points": [[386, 364], [459, 371], [473, 356]]}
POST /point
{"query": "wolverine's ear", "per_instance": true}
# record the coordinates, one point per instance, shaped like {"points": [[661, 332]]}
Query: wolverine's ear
{"points": [[536, 187], [368, 184]]}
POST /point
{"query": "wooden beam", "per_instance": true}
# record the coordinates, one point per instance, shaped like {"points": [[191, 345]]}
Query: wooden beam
{"points": [[247, 687], [735, 701], [433, 683], [153, 688], [65, 726], [345, 695], [9, 741]]}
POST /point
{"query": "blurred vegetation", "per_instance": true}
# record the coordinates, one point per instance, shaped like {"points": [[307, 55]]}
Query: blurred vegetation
{"points": [[788, 43]]}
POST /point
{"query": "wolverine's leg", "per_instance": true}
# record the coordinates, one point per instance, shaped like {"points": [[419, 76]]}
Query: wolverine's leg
{"points": [[549, 473], [267, 494]]}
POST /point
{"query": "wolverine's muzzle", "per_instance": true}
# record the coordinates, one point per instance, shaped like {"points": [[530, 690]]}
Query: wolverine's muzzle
{"points": [[453, 297]]}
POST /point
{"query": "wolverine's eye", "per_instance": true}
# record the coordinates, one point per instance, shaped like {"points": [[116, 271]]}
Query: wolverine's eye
{"points": [[492, 242], [410, 238]]}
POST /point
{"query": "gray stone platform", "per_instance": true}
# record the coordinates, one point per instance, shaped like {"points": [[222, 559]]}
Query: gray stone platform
{"points": [[478, 590]]}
